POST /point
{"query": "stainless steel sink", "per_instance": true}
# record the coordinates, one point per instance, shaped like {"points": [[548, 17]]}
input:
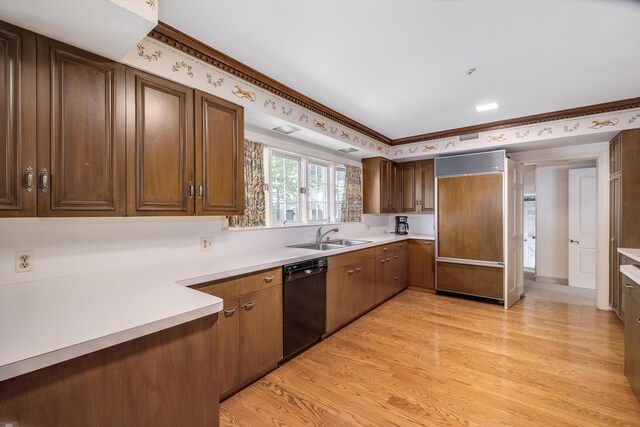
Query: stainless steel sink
{"points": [[318, 246], [331, 244], [347, 242]]}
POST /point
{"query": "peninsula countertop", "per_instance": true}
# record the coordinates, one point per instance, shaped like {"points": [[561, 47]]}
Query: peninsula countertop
{"points": [[49, 321]]}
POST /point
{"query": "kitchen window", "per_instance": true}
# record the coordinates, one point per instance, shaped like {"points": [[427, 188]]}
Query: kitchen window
{"points": [[285, 188], [302, 189]]}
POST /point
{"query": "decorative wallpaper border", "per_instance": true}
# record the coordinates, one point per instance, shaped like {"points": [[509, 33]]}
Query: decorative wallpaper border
{"points": [[158, 58]]}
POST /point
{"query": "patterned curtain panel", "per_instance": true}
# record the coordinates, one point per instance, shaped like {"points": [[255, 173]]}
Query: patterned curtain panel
{"points": [[352, 206], [254, 213]]}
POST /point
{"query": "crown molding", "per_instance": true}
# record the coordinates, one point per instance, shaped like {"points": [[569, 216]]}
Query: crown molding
{"points": [[606, 107], [175, 38], [187, 44]]}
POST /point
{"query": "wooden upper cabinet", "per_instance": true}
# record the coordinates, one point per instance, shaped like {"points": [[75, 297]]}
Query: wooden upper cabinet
{"points": [[425, 184], [219, 156], [17, 121], [81, 132], [417, 179], [160, 146], [381, 186], [408, 175]]}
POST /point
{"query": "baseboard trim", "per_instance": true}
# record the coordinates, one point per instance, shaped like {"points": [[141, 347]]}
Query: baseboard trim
{"points": [[554, 280]]}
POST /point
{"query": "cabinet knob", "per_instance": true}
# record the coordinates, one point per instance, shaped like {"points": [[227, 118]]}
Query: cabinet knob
{"points": [[269, 278], [28, 179], [229, 311], [387, 259], [429, 243], [381, 261], [249, 305], [396, 256], [395, 277], [351, 272], [358, 269], [628, 285], [385, 249]]}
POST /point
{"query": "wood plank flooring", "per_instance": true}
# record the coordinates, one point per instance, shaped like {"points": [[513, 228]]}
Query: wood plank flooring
{"points": [[428, 360]]}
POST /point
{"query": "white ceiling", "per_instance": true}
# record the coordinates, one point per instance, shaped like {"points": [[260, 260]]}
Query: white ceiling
{"points": [[398, 67]]}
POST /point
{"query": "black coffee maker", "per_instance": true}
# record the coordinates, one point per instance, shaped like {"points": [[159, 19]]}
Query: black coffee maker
{"points": [[402, 226]]}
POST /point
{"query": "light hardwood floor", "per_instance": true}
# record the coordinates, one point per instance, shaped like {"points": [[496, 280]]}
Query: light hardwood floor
{"points": [[423, 359]]}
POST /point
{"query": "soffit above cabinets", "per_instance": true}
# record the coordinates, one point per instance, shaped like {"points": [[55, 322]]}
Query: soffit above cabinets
{"points": [[400, 68], [106, 27]]}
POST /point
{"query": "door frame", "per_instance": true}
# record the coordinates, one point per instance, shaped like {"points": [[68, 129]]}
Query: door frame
{"points": [[600, 153]]}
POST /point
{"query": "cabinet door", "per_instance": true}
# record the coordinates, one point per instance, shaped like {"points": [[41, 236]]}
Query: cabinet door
{"points": [[614, 225], [614, 155], [384, 278], [632, 345], [219, 156], [17, 121], [396, 188], [81, 132], [229, 346], [365, 296], [260, 331], [160, 146], [340, 297], [385, 186], [408, 178], [421, 264], [425, 186]]}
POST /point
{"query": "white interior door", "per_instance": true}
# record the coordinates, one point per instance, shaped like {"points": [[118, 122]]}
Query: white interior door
{"points": [[514, 270], [530, 234], [582, 228]]}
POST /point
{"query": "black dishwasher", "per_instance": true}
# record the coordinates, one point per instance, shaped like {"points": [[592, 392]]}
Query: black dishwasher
{"points": [[304, 304]]}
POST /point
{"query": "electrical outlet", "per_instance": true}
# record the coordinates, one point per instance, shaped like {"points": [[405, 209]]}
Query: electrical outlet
{"points": [[206, 243], [24, 261]]}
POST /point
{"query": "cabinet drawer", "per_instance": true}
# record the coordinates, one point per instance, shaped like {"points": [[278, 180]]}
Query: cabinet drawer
{"points": [[391, 247], [338, 261], [631, 288], [241, 285]]}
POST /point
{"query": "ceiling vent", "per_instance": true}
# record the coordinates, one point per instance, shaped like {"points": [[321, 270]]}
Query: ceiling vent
{"points": [[469, 137], [348, 150]]}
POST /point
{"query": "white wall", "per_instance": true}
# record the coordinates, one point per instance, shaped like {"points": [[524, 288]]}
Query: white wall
{"points": [[70, 246], [552, 198]]}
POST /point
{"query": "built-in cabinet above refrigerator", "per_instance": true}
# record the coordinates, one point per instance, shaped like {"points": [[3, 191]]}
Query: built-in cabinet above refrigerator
{"points": [[477, 225]]}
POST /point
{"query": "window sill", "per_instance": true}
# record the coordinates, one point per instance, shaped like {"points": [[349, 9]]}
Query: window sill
{"points": [[282, 227]]}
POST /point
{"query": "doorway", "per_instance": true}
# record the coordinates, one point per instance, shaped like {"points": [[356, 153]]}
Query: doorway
{"points": [[559, 215]]}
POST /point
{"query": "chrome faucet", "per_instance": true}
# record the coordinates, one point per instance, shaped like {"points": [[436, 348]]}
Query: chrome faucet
{"points": [[320, 235]]}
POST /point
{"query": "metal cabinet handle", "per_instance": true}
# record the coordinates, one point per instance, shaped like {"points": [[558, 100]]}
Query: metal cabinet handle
{"points": [[229, 311], [628, 286], [385, 249], [381, 261], [429, 243], [191, 190], [200, 191], [396, 256], [28, 179], [358, 269], [248, 305], [395, 277], [269, 278], [44, 180], [638, 320], [351, 272], [387, 259]]}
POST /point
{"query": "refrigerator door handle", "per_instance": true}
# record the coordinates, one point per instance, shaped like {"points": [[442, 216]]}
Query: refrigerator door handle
{"points": [[493, 264]]}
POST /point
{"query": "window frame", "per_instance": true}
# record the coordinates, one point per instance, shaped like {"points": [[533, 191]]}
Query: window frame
{"points": [[269, 151]]}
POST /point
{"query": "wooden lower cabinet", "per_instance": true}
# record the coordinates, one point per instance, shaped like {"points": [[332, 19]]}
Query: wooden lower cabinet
{"points": [[250, 327], [475, 280], [260, 331], [167, 378], [391, 270], [632, 334], [350, 289], [421, 266]]}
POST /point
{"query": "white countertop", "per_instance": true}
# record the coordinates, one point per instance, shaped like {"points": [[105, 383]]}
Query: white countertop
{"points": [[632, 253], [49, 321], [632, 272]]}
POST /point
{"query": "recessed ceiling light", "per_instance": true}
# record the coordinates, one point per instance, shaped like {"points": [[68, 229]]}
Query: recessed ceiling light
{"points": [[470, 71], [487, 107], [286, 129], [349, 150]]}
